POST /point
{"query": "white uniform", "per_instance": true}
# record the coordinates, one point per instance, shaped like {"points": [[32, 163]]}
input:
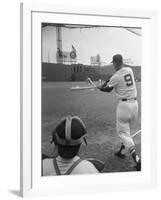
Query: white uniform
{"points": [[127, 110], [84, 167]]}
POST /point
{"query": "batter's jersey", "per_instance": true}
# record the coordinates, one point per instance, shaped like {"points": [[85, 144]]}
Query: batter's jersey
{"points": [[84, 167], [124, 83]]}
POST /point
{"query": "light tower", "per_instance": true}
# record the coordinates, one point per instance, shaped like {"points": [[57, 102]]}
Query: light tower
{"points": [[59, 44]]}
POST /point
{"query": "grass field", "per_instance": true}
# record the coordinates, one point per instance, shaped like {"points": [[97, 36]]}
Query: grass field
{"points": [[98, 110]]}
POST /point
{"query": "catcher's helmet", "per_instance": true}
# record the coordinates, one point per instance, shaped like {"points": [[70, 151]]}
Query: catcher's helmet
{"points": [[69, 132]]}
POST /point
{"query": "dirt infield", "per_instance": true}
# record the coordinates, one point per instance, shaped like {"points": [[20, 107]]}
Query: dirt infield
{"points": [[97, 110]]}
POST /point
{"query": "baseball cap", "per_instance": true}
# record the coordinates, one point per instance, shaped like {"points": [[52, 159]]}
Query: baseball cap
{"points": [[117, 58], [69, 132]]}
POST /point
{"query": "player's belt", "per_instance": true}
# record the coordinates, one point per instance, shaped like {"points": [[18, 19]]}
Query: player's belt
{"points": [[128, 99]]}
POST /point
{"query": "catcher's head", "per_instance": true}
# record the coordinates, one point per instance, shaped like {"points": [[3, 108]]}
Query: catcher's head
{"points": [[68, 136]]}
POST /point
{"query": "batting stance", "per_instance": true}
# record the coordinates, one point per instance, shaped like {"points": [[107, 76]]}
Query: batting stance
{"points": [[127, 109]]}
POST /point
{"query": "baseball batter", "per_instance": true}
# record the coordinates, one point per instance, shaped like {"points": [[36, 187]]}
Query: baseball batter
{"points": [[123, 83]]}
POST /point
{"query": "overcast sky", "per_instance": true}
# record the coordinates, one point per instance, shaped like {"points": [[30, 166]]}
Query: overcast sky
{"points": [[105, 41]]}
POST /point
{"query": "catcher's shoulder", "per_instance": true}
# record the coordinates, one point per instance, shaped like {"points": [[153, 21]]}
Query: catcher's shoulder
{"points": [[85, 167]]}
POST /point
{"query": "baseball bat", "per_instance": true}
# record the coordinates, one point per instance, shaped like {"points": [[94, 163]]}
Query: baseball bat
{"points": [[91, 82], [93, 86]]}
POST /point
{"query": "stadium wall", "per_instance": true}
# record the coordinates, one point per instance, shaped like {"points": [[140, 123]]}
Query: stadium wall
{"points": [[79, 72], [56, 72], [62, 72]]}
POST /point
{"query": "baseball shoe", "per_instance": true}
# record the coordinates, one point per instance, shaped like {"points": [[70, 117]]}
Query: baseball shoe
{"points": [[120, 155], [138, 166]]}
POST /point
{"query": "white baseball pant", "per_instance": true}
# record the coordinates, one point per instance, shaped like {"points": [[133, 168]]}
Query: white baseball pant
{"points": [[126, 114]]}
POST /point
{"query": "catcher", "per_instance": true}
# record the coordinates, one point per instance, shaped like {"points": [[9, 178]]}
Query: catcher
{"points": [[68, 137]]}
